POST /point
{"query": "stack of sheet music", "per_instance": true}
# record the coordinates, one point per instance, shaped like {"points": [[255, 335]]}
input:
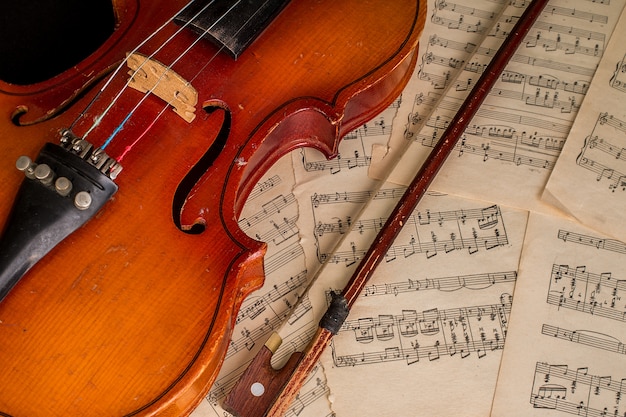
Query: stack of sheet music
{"points": [[505, 295]]}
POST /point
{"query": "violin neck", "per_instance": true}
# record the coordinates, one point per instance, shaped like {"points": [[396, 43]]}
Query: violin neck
{"points": [[232, 26]]}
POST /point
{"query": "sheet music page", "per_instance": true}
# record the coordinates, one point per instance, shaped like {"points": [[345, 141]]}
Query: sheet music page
{"points": [[510, 148], [432, 321], [308, 210], [564, 352], [450, 39], [589, 180], [279, 212], [269, 215], [465, 246]]}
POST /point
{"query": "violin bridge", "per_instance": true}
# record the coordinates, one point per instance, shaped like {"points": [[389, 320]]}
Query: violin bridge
{"points": [[150, 76]]}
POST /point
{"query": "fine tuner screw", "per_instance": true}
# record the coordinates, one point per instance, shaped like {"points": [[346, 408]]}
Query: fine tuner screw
{"points": [[26, 165], [82, 200], [63, 186], [44, 174]]}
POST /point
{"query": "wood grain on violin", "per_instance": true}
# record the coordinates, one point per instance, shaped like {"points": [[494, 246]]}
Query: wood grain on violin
{"points": [[131, 314]]}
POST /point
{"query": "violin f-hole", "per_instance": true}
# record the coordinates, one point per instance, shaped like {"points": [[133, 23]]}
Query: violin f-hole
{"points": [[199, 169]]}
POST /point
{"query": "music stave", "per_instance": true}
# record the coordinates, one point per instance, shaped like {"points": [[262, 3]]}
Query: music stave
{"points": [[597, 294], [618, 81], [426, 232], [430, 334], [486, 218], [355, 197], [587, 240], [585, 337], [275, 206], [557, 387], [447, 284], [606, 157], [354, 152], [429, 247]]}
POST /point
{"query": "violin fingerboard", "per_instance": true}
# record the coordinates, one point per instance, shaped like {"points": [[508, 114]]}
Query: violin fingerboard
{"points": [[232, 27]]}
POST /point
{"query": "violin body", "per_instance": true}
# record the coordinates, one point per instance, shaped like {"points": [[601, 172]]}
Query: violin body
{"points": [[132, 313]]}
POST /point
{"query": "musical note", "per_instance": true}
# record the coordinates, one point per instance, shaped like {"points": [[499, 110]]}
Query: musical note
{"points": [[604, 151], [587, 394], [594, 156], [592, 293], [466, 229], [594, 241], [264, 186], [268, 209], [414, 335], [570, 323], [355, 154], [402, 333], [586, 337], [516, 139], [537, 98]]}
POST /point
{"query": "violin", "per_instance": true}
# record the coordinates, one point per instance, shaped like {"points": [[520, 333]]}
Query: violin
{"points": [[122, 266]]}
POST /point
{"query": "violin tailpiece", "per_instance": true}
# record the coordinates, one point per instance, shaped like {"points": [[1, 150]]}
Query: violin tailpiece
{"points": [[64, 188]]}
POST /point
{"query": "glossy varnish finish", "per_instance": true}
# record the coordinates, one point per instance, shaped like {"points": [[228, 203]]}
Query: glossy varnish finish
{"points": [[130, 315]]}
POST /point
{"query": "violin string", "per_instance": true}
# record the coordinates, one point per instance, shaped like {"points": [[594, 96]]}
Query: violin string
{"points": [[121, 65], [99, 118], [235, 34], [128, 148], [120, 127]]}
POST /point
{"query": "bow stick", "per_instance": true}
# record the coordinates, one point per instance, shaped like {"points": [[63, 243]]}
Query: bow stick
{"points": [[263, 391]]}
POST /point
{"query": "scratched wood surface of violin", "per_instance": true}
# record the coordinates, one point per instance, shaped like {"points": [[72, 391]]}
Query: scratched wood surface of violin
{"points": [[132, 312]]}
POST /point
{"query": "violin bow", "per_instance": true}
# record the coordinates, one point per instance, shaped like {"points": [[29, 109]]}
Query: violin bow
{"points": [[263, 391]]}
